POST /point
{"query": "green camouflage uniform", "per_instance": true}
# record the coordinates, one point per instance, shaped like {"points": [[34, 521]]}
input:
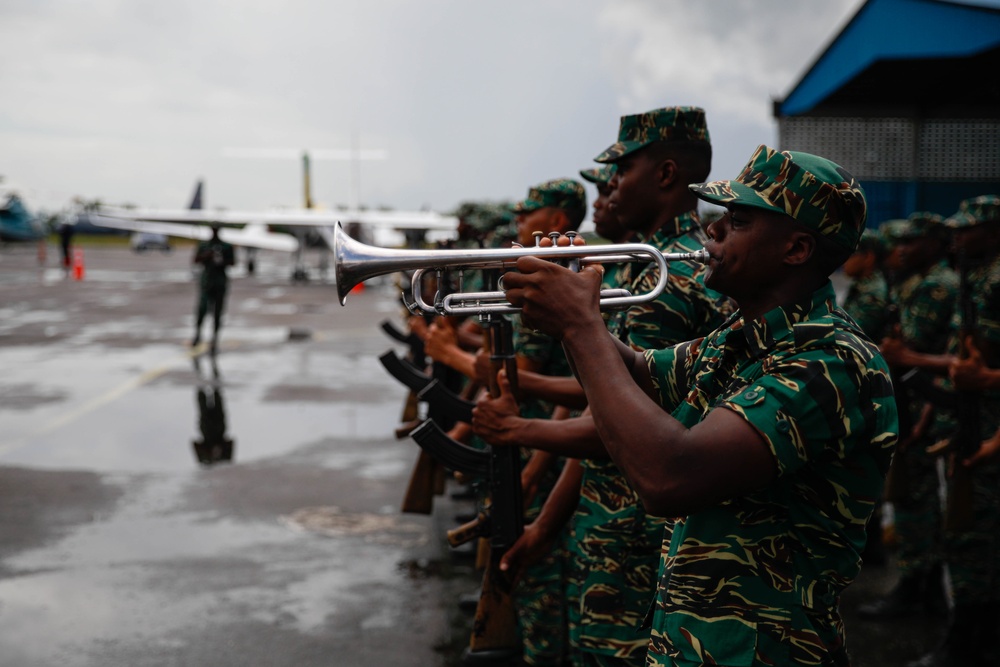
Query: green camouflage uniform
{"points": [[868, 302], [617, 543], [974, 556], [926, 303], [541, 595], [756, 580]]}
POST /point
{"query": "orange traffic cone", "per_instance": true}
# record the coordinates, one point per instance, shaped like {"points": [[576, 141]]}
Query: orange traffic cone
{"points": [[78, 264]]}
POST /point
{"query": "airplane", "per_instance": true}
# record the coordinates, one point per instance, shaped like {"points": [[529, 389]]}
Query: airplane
{"points": [[183, 222], [17, 224], [196, 225]]}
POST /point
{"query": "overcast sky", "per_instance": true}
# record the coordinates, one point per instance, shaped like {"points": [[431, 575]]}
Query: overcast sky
{"points": [[131, 101]]}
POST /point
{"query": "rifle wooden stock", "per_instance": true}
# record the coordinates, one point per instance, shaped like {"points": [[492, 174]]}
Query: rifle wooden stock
{"points": [[494, 630], [419, 496]]}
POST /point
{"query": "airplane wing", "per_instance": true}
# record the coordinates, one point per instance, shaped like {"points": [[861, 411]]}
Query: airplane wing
{"points": [[399, 220], [253, 235]]}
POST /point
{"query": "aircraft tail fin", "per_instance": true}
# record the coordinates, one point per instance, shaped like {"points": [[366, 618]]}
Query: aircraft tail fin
{"points": [[196, 204]]}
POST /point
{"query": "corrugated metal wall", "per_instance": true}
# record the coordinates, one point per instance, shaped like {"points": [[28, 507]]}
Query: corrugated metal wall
{"points": [[905, 164]]}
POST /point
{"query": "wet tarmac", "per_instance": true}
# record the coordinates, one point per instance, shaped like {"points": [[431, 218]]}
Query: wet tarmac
{"points": [[119, 547]]}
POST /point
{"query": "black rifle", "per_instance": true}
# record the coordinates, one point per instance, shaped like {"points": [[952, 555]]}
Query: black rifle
{"points": [[965, 443], [444, 401], [411, 340], [897, 488], [494, 632]]}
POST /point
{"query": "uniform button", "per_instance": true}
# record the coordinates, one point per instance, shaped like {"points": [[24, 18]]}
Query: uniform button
{"points": [[784, 426], [750, 395]]}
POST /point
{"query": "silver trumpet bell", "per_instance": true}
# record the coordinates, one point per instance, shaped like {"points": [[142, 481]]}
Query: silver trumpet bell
{"points": [[356, 262]]}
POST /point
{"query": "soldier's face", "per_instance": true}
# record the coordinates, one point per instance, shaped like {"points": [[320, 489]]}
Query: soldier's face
{"points": [[539, 220], [605, 221], [635, 186], [745, 245], [859, 264]]}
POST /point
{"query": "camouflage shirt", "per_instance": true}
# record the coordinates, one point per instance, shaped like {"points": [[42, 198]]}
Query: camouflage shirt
{"points": [[926, 303], [549, 357], [756, 580], [619, 544], [868, 302], [985, 284]]}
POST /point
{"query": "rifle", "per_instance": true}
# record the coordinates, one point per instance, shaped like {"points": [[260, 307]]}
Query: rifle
{"points": [[495, 631], [897, 488], [965, 443], [444, 406], [418, 359]]}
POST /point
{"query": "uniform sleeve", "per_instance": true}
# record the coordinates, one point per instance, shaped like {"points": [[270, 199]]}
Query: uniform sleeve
{"points": [[669, 370], [988, 313], [818, 405]]}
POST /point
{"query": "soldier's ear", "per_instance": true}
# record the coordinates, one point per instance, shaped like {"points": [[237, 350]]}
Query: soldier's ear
{"points": [[801, 247], [667, 172], [560, 221]]}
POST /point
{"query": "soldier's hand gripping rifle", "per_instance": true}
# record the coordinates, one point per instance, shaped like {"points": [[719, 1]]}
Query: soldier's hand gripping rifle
{"points": [[965, 443], [494, 632]]}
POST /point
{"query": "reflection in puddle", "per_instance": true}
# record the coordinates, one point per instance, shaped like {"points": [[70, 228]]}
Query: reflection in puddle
{"points": [[214, 446]]}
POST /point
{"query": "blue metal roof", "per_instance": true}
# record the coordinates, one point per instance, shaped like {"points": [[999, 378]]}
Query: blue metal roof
{"points": [[896, 30]]}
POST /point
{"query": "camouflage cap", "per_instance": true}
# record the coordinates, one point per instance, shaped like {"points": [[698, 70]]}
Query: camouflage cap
{"points": [[976, 211], [599, 175], [812, 190], [893, 230], [872, 241], [493, 215], [920, 224], [667, 124], [557, 193]]}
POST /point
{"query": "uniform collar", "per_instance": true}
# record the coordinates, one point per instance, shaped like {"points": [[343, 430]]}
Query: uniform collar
{"points": [[776, 325], [680, 225]]}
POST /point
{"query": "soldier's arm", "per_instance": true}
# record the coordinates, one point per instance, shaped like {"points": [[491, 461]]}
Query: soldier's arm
{"points": [[900, 355], [971, 373], [674, 469], [540, 534], [498, 421]]}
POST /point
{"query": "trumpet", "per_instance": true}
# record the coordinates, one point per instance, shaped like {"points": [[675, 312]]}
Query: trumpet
{"points": [[356, 262]]}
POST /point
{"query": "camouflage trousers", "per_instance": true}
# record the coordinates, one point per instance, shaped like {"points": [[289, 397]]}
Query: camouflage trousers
{"points": [[973, 556], [917, 513], [540, 599]]}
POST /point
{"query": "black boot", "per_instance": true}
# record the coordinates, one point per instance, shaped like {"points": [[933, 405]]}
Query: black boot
{"points": [[906, 599], [965, 643], [935, 594]]}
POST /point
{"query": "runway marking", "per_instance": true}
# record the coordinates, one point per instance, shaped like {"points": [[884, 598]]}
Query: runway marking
{"points": [[107, 397]]}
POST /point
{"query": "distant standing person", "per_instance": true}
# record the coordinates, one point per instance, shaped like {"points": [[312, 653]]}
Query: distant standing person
{"points": [[66, 230], [215, 256]]}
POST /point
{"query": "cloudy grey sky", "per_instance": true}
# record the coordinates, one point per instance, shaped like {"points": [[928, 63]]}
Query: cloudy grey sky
{"points": [[133, 100]]}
